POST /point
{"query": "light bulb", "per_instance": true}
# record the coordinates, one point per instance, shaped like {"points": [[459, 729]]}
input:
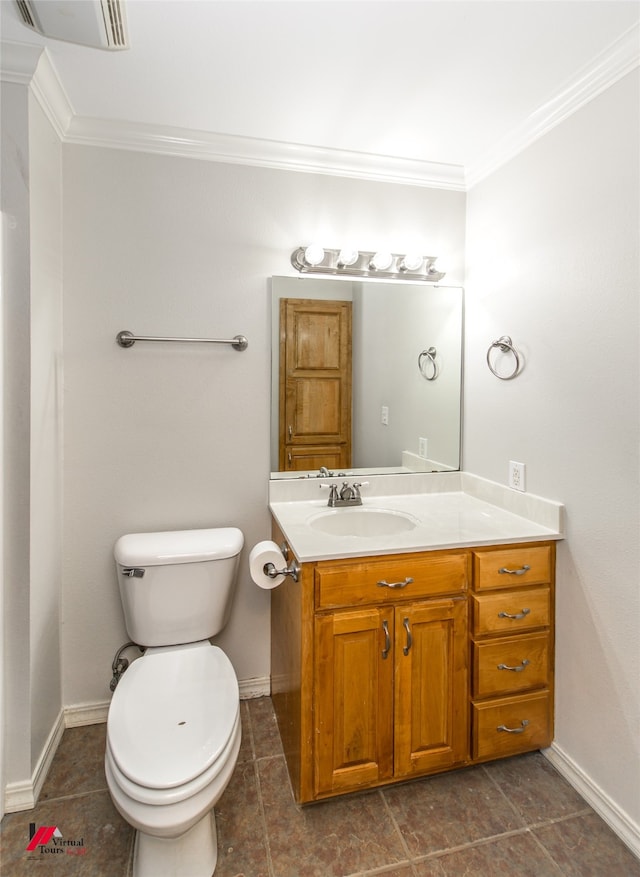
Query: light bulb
{"points": [[381, 261], [313, 255], [411, 262], [347, 257]]}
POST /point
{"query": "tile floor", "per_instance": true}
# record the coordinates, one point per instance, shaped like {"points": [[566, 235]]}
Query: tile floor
{"points": [[516, 817]]}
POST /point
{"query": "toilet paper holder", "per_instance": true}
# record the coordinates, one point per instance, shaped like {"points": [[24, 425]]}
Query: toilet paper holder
{"points": [[293, 570]]}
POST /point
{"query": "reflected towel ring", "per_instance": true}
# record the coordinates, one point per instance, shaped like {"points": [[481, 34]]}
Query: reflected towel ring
{"points": [[506, 346], [430, 356]]}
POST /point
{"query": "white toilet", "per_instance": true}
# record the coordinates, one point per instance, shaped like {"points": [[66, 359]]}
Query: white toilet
{"points": [[173, 730]]}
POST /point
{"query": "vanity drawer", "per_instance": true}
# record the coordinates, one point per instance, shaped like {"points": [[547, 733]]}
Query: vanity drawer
{"points": [[512, 612], [387, 580], [508, 665], [512, 567], [511, 724]]}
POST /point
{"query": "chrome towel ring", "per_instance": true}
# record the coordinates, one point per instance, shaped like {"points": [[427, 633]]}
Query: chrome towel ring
{"points": [[506, 346], [430, 357]]}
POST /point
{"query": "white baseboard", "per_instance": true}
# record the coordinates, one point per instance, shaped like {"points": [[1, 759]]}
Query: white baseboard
{"points": [[80, 714], [618, 821], [258, 686], [24, 794]]}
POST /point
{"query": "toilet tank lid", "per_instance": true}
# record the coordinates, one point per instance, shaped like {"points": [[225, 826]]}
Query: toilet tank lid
{"points": [[178, 546]]}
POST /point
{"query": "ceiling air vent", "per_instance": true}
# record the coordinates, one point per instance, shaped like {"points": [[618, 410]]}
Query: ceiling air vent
{"points": [[98, 23]]}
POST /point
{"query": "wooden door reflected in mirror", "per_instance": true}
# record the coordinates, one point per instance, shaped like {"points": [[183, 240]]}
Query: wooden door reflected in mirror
{"points": [[315, 384]]}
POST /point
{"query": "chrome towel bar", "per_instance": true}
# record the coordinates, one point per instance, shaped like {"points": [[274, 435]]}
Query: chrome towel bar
{"points": [[128, 339]]}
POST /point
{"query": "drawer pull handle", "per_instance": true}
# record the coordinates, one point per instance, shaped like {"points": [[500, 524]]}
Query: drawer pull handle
{"points": [[519, 669], [403, 584], [405, 624], [515, 572], [520, 730], [387, 640], [517, 617]]}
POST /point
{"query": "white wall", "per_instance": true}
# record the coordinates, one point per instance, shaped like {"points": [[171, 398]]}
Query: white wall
{"points": [[553, 261], [392, 325], [160, 436], [45, 195], [16, 315], [32, 311]]}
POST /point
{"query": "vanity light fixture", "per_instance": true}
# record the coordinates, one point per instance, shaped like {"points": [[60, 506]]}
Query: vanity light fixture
{"points": [[348, 262], [411, 262], [313, 255], [381, 261], [347, 257]]}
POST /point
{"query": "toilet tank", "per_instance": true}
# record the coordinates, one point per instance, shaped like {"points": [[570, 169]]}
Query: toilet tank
{"points": [[177, 587]]}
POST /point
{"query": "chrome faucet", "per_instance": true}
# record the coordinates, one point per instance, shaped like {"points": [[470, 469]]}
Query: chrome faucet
{"points": [[324, 472], [348, 495]]}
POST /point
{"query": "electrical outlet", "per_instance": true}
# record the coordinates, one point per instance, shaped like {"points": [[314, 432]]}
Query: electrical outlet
{"points": [[422, 448], [384, 415], [517, 472]]}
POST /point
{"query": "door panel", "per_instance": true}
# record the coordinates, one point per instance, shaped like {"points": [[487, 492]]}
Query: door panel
{"points": [[353, 700], [430, 686], [315, 381]]}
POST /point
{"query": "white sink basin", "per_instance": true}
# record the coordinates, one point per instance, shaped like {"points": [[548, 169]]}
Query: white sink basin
{"points": [[363, 522]]}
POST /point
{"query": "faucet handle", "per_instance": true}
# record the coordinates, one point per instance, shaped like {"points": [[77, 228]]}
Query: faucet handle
{"points": [[333, 494], [357, 485]]}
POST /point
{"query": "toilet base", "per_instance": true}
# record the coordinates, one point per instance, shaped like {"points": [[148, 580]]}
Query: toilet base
{"points": [[193, 854]]}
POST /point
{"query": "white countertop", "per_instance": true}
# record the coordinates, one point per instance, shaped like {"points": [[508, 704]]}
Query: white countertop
{"points": [[449, 510]]}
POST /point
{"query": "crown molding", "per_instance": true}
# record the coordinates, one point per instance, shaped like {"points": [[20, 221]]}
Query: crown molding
{"points": [[18, 62], [262, 153], [26, 64], [619, 58], [31, 65], [51, 96]]}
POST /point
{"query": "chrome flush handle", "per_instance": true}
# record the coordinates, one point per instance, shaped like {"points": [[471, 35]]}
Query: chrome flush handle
{"points": [[133, 572]]}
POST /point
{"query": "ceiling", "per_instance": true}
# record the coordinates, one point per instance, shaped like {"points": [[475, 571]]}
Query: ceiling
{"points": [[450, 83]]}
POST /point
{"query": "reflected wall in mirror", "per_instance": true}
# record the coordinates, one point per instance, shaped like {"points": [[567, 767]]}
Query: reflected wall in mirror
{"points": [[360, 346]]}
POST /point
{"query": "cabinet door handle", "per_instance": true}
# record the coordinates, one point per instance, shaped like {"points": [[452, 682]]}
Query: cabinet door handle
{"points": [[519, 730], [515, 572], [290, 431], [522, 614], [387, 639], [523, 665], [405, 624], [383, 584]]}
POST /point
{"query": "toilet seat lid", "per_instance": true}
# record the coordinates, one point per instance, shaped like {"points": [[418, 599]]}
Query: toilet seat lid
{"points": [[172, 714]]}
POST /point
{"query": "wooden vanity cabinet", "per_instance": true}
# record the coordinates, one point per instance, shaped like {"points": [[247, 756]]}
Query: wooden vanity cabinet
{"points": [[512, 647], [377, 676], [382, 667]]}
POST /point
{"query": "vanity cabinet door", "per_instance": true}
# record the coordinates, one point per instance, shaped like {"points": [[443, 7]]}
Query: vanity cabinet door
{"points": [[430, 686], [353, 739]]}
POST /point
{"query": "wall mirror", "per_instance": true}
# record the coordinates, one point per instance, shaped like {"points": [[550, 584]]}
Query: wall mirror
{"points": [[366, 376]]}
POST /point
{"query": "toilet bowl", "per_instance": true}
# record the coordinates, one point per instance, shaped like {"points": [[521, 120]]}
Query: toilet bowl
{"points": [[173, 729]]}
